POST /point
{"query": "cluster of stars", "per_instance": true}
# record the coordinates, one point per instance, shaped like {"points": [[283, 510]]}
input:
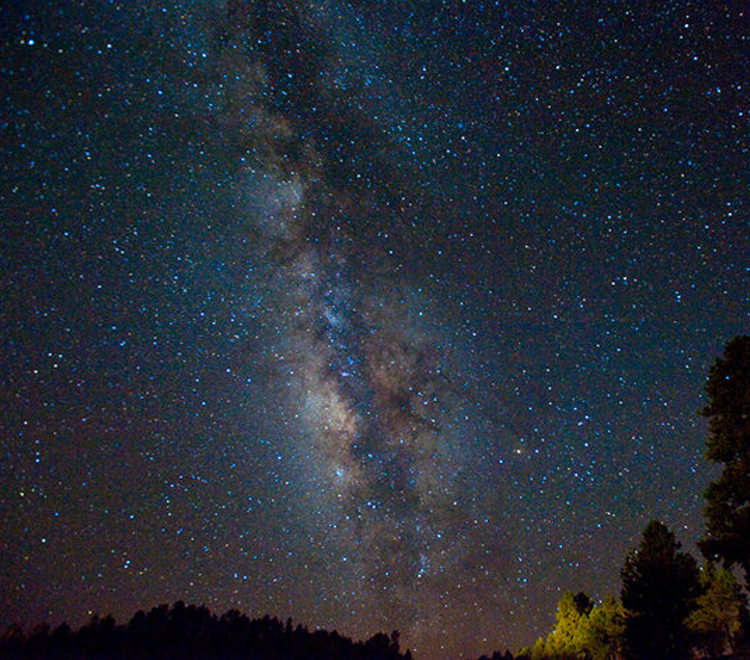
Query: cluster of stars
{"points": [[379, 320]]}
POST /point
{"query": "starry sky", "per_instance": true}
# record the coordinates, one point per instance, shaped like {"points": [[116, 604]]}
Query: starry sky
{"points": [[378, 315]]}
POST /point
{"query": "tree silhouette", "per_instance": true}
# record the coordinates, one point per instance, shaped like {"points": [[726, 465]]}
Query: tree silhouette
{"points": [[191, 632], [728, 497], [659, 589]]}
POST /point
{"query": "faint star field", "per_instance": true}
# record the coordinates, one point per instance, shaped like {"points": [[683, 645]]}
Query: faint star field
{"points": [[374, 315]]}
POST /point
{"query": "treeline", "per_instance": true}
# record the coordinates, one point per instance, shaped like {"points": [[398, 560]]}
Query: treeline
{"points": [[192, 632]]}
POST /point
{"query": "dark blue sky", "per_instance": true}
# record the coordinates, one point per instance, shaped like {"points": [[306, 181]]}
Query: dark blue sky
{"points": [[378, 316]]}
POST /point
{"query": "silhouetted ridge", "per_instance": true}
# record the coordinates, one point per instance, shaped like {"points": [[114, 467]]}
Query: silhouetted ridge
{"points": [[189, 631]]}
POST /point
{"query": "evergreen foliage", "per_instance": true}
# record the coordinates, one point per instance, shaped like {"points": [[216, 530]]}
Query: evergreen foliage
{"points": [[718, 622], [602, 637], [190, 632], [660, 585], [583, 631], [727, 509]]}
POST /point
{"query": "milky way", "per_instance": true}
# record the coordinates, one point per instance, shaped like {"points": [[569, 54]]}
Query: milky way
{"points": [[375, 315], [383, 428]]}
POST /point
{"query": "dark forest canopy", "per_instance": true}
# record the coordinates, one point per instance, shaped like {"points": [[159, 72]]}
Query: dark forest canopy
{"points": [[191, 631]]}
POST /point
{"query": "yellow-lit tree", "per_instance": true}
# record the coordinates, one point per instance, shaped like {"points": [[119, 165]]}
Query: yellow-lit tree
{"points": [[721, 610]]}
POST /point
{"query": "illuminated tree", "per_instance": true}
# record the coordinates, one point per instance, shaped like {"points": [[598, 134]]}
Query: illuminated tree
{"points": [[567, 640], [538, 651], [717, 621], [602, 636]]}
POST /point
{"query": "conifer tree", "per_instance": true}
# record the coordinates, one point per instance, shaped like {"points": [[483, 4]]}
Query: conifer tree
{"points": [[727, 509], [659, 587]]}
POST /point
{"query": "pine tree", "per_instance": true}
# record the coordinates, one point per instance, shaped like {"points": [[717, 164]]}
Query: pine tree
{"points": [[566, 642], [720, 611], [659, 588], [728, 498], [602, 636]]}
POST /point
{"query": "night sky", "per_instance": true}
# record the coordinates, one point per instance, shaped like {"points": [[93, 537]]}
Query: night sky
{"points": [[372, 314]]}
